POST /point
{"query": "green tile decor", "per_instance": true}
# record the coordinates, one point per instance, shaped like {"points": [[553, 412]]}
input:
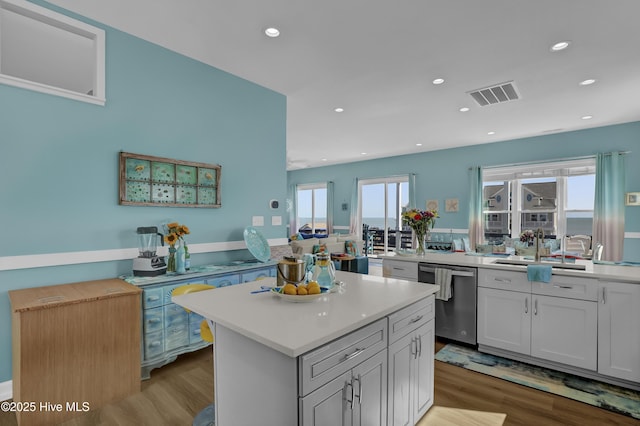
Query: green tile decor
{"points": [[155, 181], [603, 395]]}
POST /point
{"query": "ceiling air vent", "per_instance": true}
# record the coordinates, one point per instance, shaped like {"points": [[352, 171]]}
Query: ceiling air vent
{"points": [[499, 93]]}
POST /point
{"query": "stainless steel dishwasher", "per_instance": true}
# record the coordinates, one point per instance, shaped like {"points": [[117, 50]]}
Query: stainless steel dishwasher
{"points": [[456, 317]]}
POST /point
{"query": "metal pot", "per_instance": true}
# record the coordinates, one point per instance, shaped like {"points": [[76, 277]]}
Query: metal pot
{"points": [[290, 271]]}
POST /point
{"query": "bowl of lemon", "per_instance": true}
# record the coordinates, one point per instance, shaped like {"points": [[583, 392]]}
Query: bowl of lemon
{"points": [[300, 293]]}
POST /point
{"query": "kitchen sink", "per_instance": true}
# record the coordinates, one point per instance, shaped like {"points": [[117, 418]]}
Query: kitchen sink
{"points": [[556, 265]]}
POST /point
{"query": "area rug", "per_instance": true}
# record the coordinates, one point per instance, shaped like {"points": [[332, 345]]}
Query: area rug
{"points": [[603, 395]]}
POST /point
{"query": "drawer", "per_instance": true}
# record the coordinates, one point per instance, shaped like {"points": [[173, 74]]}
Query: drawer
{"points": [[504, 280], [400, 269], [255, 275], [153, 344], [324, 364], [224, 280], [153, 319], [569, 287], [176, 336], [152, 297], [194, 328], [174, 314], [410, 318]]}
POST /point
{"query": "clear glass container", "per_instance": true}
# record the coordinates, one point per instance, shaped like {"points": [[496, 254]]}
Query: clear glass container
{"points": [[324, 273]]}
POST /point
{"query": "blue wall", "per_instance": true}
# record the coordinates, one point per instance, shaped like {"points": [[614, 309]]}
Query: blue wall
{"points": [[444, 174], [59, 162]]}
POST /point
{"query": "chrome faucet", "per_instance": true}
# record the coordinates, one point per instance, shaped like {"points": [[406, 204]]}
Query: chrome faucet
{"points": [[539, 236]]}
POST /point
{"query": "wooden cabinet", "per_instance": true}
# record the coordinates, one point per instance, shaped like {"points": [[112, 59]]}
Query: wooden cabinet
{"points": [[411, 357], [618, 336], [77, 345]]}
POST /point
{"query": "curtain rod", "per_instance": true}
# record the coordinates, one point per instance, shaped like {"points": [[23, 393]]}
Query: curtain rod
{"points": [[585, 157]]}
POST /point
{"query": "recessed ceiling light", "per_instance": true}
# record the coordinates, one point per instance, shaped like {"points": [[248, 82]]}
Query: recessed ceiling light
{"points": [[272, 32], [324, 159], [464, 109], [438, 81], [418, 144], [363, 153], [587, 82], [560, 46], [587, 117], [339, 109], [491, 133]]}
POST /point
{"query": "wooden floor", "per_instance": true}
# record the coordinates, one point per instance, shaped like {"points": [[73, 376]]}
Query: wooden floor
{"points": [[178, 391]]}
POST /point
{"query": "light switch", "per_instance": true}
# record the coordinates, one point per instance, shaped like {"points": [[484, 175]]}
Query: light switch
{"points": [[257, 221], [276, 220]]}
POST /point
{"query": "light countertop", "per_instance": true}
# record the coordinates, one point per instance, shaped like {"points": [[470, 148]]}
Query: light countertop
{"points": [[296, 328], [600, 271]]}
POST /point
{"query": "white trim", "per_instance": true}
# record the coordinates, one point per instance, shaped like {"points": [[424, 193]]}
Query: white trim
{"points": [[8, 263], [450, 230], [632, 234], [6, 390]]}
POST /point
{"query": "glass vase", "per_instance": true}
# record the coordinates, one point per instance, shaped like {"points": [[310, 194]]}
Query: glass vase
{"points": [[421, 240], [171, 261]]}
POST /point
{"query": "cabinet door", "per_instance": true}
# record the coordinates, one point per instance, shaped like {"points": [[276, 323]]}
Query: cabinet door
{"points": [[330, 405], [618, 337], [565, 330], [423, 371], [402, 355], [369, 381], [504, 319]]}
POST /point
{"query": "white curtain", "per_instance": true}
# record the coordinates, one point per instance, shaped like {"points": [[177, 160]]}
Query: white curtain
{"points": [[412, 191], [608, 211], [353, 214], [476, 232], [330, 207], [292, 205]]}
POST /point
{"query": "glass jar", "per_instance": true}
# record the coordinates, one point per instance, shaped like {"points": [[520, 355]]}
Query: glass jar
{"points": [[324, 273]]}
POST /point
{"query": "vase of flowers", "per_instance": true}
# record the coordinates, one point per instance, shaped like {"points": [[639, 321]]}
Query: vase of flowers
{"points": [[420, 222], [528, 237], [174, 236]]}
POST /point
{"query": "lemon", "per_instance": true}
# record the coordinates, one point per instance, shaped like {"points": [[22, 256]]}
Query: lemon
{"points": [[314, 289], [302, 291], [290, 289]]}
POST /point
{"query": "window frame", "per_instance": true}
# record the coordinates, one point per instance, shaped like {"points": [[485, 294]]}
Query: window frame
{"points": [[516, 174], [312, 187]]}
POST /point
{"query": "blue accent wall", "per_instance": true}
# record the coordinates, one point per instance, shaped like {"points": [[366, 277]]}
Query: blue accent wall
{"points": [[59, 163], [444, 174]]}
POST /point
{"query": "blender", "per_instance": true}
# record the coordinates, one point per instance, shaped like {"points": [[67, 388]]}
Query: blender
{"points": [[148, 264]]}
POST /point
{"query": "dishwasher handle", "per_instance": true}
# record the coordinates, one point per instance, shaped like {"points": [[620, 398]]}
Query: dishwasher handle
{"points": [[454, 272]]}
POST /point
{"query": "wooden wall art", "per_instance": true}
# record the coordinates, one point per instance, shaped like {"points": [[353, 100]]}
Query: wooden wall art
{"points": [[157, 181]]}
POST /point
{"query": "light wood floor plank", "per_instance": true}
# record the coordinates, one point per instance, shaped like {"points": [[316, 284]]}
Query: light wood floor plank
{"points": [[178, 391]]}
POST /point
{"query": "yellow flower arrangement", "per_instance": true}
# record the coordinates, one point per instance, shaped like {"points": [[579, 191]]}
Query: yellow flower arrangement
{"points": [[175, 232]]}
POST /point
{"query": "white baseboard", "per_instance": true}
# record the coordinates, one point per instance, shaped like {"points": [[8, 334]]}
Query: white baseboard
{"points": [[6, 390]]}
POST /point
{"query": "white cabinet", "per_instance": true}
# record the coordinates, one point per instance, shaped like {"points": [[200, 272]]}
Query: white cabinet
{"points": [[400, 269], [411, 357], [527, 318], [565, 330], [618, 336], [504, 319], [356, 397]]}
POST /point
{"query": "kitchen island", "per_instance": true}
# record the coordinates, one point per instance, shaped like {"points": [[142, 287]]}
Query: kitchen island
{"points": [[322, 362]]}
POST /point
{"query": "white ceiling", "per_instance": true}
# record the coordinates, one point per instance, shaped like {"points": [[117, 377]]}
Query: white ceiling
{"points": [[377, 58]]}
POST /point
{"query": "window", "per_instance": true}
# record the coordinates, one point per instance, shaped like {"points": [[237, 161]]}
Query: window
{"points": [[557, 197], [51, 53], [381, 202], [312, 208]]}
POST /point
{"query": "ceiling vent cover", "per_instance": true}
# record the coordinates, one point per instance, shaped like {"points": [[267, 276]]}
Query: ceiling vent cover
{"points": [[499, 93]]}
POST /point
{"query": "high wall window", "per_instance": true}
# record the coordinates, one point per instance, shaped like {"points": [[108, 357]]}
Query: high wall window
{"points": [[311, 208], [557, 197]]}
